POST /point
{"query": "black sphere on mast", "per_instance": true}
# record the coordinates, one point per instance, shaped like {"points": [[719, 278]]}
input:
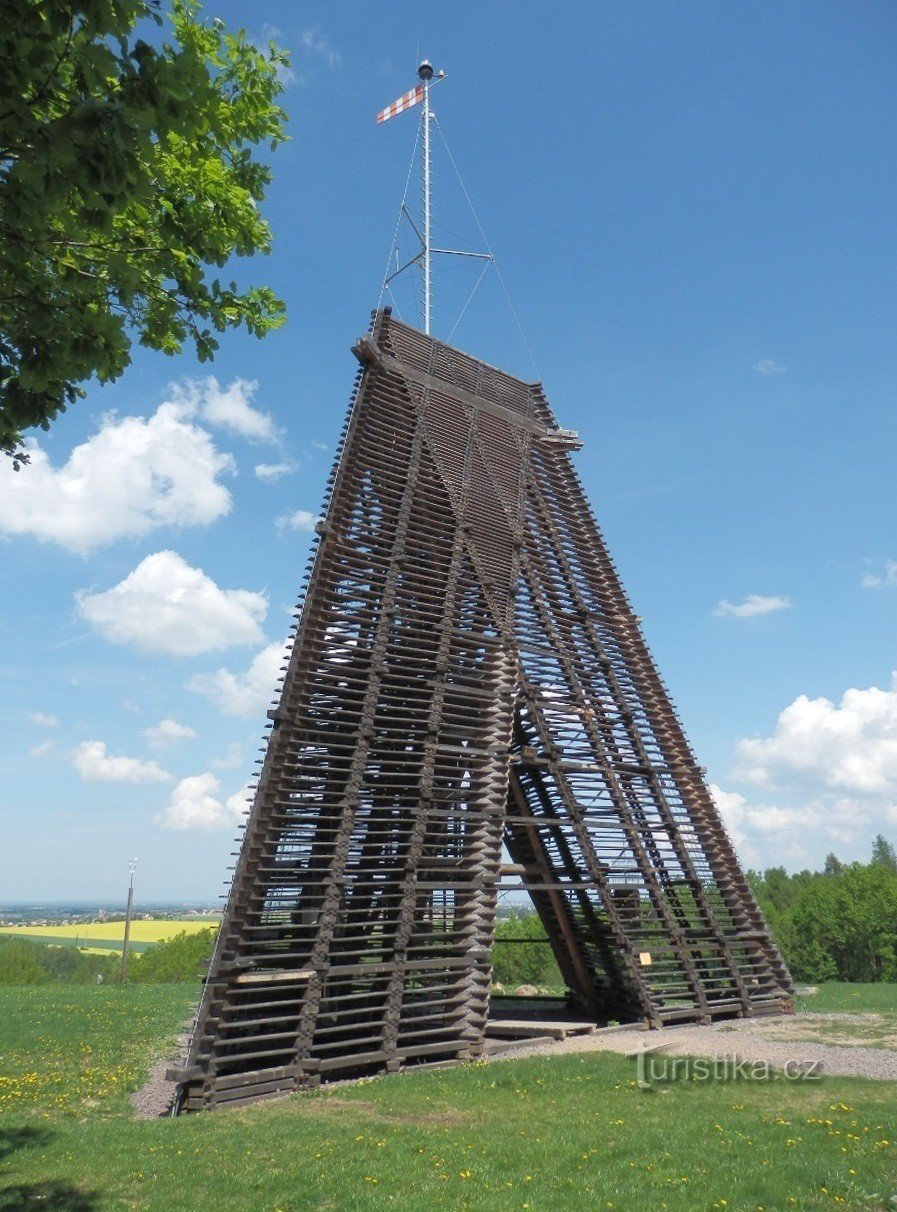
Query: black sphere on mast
{"points": [[425, 71]]}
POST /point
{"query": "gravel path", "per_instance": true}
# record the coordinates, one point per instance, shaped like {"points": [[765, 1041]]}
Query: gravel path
{"points": [[773, 1040], [751, 1039], [155, 1096]]}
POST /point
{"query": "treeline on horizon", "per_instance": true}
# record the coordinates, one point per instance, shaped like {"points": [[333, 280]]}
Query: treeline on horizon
{"points": [[836, 924], [27, 961]]}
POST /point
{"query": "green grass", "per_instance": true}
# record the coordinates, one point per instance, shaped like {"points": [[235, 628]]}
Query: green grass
{"points": [[76, 940], [569, 1132], [851, 999], [66, 1049], [878, 1001]]}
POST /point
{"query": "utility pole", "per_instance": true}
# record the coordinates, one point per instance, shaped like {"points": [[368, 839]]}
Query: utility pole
{"points": [[132, 867]]}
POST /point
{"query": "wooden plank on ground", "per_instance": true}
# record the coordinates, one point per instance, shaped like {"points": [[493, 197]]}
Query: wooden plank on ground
{"points": [[508, 1027]]}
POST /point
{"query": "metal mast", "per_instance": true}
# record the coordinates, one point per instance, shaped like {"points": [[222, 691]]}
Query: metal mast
{"points": [[425, 72], [420, 95]]}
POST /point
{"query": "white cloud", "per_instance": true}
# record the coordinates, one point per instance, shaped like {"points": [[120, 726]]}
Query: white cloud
{"points": [[195, 804], [240, 802], [133, 476], [753, 606], [316, 43], [767, 366], [229, 407], [244, 694], [95, 765], [232, 757], [764, 834], [886, 579], [302, 519], [270, 472], [318, 445], [167, 606], [42, 720], [798, 836], [827, 776], [42, 749], [849, 748], [168, 733]]}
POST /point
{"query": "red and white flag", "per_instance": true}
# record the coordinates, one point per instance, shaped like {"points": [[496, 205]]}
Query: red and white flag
{"points": [[414, 97]]}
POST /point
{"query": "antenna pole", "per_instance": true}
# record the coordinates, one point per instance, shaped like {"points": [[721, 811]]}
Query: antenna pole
{"points": [[422, 259], [425, 72]]}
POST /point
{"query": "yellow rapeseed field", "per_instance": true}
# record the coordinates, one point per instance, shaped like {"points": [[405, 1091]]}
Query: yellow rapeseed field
{"points": [[141, 932]]}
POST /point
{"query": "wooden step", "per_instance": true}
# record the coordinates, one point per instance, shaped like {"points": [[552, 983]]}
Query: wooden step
{"points": [[511, 1028]]}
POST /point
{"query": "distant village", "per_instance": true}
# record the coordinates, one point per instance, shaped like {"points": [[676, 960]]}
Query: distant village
{"points": [[45, 915]]}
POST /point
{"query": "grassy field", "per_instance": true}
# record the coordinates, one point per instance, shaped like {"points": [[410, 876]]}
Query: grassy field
{"points": [[871, 1012], [70, 1049], [109, 936], [543, 1133], [94, 946], [851, 999]]}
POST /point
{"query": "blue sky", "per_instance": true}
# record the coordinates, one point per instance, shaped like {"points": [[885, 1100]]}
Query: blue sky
{"points": [[693, 207]]}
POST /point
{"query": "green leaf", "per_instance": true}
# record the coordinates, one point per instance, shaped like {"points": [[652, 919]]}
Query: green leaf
{"points": [[131, 174]]}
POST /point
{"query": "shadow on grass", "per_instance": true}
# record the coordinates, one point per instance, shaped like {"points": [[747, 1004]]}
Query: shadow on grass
{"points": [[14, 1139], [55, 1196], [59, 1197]]}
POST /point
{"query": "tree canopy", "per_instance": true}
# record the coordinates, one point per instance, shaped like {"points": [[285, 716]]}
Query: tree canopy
{"points": [[838, 924], [884, 854], [128, 173]]}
